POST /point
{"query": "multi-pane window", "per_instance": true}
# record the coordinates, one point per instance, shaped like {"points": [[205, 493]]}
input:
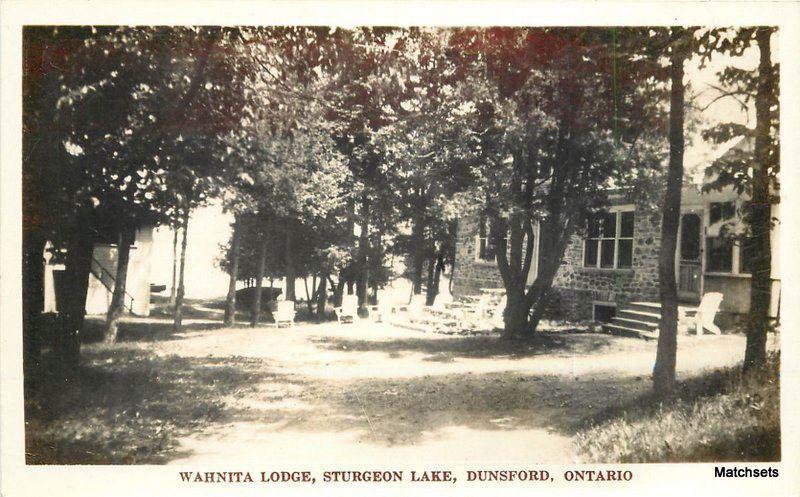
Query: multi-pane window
{"points": [[747, 255], [719, 248], [609, 240]]}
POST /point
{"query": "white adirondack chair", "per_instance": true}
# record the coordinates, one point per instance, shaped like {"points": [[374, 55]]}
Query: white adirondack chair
{"points": [[703, 315], [441, 309], [476, 313], [416, 306], [383, 310], [284, 313], [496, 319], [348, 311]]}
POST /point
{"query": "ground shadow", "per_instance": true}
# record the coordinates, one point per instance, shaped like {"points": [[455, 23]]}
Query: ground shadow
{"points": [[476, 347], [144, 330], [128, 406], [394, 412]]}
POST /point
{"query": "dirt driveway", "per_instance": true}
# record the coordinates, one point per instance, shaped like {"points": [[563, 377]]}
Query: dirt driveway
{"points": [[370, 393]]}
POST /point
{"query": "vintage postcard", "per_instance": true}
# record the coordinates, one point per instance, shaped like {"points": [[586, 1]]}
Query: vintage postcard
{"points": [[257, 248]]}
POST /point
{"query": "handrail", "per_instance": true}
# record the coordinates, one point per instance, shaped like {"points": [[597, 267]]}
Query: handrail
{"points": [[110, 288]]}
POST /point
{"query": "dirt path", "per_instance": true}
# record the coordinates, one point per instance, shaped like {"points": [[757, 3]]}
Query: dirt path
{"points": [[373, 393]]}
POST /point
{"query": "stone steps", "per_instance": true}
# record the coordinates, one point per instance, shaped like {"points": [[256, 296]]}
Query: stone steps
{"points": [[638, 319]]}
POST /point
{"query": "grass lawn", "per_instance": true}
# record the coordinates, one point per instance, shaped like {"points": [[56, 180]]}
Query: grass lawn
{"points": [[375, 392], [719, 416]]}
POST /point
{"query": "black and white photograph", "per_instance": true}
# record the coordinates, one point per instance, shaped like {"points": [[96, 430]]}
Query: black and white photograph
{"points": [[502, 248]]}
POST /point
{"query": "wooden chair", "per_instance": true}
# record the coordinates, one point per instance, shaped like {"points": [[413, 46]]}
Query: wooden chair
{"points": [[284, 313], [496, 320], [384, 309], [703, 316], [476, 314], [441, 308], [416, 307], [348, 311]]}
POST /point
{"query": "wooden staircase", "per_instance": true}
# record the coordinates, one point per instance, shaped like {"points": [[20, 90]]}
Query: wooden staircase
{"points": [[636, 319]]}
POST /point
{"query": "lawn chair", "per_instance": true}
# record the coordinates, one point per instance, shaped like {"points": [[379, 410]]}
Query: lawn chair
{"points": [[703, 315], [441, 308], [416, 307], [477, 313], [284, 313], [348, 311], [383, 310], [497, 319]]}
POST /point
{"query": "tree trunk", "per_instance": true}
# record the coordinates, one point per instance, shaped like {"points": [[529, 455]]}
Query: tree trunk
{"points": [[363, 249], [178, 317], [262, 261], [72, 309], [174, 265], [322, 295], [309, 296], [515, 315], [760, 214], [233, 269], [664, 370], [338, 291], [418, 256], [126, 238], [437, 273], [33, 281], [291, 273], [430, 293]]}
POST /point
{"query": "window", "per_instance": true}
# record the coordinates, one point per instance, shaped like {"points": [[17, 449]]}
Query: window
{"points": [[719, 254], [609, 240], [747, 256], [721, 211], [487, 251], [719, 248]]}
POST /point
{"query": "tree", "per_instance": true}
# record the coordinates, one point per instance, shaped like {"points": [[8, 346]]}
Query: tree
{"points": [[426, 153], [754, 173], [113, 114], [664, 370], [553, 126]]}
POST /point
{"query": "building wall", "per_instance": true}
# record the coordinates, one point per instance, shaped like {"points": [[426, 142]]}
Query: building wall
{"points": [[98, 297], [578, 287], [470, 275]]}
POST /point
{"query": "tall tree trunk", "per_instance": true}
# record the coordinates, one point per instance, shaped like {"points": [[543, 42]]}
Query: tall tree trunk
{"points": [[291, 272], [72, 309], [230, 301], [309, 296], [33, 281], [127, 237], [418, 255], [551, 250], [178, 316], [262, 261], [437, 273], [363, 263], [430, 292], [322, 295], [173, 287], [759, 215], [338, 290], [664, 370], [515, 315]]}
